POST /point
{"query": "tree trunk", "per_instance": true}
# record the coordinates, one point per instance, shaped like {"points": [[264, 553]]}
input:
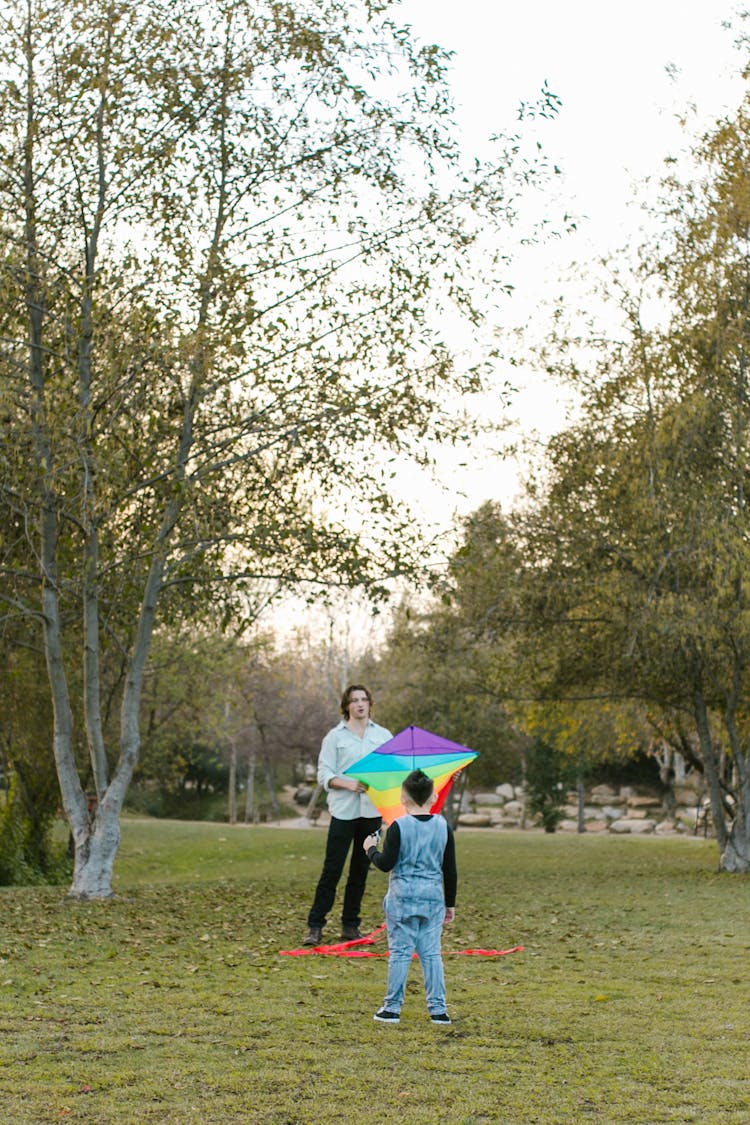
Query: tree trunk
{"points": [[270, 786], [735, 856], [735, 853], [310, 810], [232, 782], [250, 792], [581, 809], [95, 856]]}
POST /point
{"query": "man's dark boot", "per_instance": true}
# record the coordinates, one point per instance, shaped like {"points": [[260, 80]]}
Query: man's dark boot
{"points": [[350, 933], [314, 936]]}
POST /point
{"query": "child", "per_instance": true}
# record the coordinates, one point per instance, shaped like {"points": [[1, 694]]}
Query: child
{"points": [[420, 853]]}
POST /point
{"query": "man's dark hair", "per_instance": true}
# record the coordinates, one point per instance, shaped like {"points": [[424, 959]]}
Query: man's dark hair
{"points": [[419, 787], [346, 698]]}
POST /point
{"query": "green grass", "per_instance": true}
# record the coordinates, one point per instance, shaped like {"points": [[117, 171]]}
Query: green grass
{"points": [[171, 1004]]}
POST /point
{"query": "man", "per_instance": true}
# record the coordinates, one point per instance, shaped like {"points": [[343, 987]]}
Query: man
{"points": [[353, 815]]}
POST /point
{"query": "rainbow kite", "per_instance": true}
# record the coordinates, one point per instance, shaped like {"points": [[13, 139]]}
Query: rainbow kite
{"points": [[384, 770]]}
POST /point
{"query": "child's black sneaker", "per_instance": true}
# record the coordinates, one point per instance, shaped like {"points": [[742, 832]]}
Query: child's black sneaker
{"points": [[440, 1017], [384, 1016]]}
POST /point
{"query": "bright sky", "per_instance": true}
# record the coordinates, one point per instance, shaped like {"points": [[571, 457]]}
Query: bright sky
{"points": [[625, 73]]}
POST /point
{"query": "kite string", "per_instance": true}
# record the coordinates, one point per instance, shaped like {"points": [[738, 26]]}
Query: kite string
{"points": [[349, 949]]}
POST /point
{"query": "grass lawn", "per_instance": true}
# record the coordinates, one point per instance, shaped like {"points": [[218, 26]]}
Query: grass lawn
{"points": [[630, 1003]]}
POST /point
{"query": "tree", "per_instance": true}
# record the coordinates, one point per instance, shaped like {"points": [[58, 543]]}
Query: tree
{"points": [[548, 776], [185, 737], [222, 278], [642, 530], [278, 712], [449, 664]]}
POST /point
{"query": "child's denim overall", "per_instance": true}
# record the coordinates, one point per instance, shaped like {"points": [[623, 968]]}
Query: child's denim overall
{"points": [[415, 911]]}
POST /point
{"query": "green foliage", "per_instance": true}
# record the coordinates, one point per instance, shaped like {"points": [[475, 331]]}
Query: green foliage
{"points": [[548, 776], [30, 804], [433, 674], [29, 852], [207, 695], [640, 536], [170, 1004]]}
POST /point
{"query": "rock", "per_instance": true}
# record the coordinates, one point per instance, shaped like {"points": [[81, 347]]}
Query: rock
{"points": [[506, 791], [602, 791], [487, 799], [600, 799], [634, 827], [475, 820], [513, 808], [686, 796], [613, 812], [641, 827], [596, 826], [644, 802], [567, 825]]}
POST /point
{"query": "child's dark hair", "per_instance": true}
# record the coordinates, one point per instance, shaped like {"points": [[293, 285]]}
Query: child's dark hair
{"points": [[419, 787]]}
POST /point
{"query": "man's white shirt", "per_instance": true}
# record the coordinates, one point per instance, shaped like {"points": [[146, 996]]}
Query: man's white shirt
{"points": [[341, 748]]}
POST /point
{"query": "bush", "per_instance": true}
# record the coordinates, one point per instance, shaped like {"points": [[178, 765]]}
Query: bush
{"points": [[28, 853], [548, 775]]}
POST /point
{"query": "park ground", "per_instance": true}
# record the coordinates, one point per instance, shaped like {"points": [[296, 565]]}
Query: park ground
{"points": [[171, 1003]]}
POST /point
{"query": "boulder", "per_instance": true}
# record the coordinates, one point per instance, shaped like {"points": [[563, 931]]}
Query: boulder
{"points": [[513, 808], [596, 826], [628, 825], [685, 796], [506, 791], [644, 802], [605, 791], [642, 827], [487, 799], [475, 820]]}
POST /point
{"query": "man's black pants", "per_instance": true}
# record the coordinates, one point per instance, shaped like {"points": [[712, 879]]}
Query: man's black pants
{"points": [[343, 834]]}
